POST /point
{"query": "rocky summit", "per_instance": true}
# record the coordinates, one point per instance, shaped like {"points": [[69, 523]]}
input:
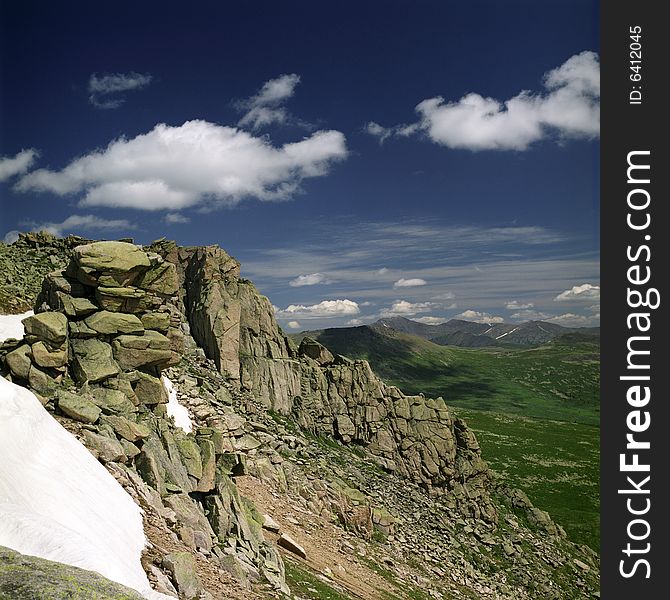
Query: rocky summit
{"points": [[304, 474]]}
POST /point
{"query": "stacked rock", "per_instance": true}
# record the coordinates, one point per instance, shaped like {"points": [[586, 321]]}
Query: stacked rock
{"points": [[106, 321]]}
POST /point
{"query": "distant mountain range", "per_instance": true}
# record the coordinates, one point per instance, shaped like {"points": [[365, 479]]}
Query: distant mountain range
{"points": [[468, 334]]}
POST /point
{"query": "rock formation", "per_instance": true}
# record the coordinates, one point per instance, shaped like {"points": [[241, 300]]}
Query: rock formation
{"points": [[119, 317]]}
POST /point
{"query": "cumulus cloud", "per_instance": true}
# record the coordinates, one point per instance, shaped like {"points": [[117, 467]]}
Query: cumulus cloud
{"points": [[586, 291], [311, 279], [479, 317], [76, 223], [176, 218], [355, 322], [170, 168], [409, 282], [516, 305], [430, 320], [16, 165], [574, 320], [403, 308], [293, 325], [265, 107], [568, 106], [106, 91], [530, 315], [327, 308]]}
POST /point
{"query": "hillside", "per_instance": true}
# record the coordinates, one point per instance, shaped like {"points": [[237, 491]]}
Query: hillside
{"points": [[527, 405], [298, 472], [468, 334]]}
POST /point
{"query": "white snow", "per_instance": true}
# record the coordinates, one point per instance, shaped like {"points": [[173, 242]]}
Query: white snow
{"points": [[11, 326], [504, 334], [56, 500], [178, 412]]}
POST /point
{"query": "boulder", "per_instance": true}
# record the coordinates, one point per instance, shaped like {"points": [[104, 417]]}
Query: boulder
{"points": [[150, 389], [112, 258], [112, 323], [142, 351], [106, 449], [313, 349], [75, 307], [127, 429], [112, 402], [93, 360], [77, 407], [161, 279], [182, 569], [286, 541], [123, 299], [24, 577], [47, 358], [19, 362], [48, 327], [158, 321]]}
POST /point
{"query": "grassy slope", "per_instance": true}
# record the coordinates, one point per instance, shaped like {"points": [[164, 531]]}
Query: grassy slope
{"points": [[553, 456]]}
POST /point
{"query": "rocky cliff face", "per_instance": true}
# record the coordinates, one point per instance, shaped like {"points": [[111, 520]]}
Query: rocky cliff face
{"points": [[415, 437]]}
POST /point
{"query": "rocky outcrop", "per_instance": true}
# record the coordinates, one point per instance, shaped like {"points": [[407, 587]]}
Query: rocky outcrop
{"points": [[415, 437], [104, 330]]}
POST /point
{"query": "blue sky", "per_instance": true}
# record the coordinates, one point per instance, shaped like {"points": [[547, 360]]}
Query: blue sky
{"points": [[423, 159]]}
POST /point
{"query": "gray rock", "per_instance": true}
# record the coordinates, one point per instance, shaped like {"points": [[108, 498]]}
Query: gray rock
{"points": [[77, 407], [286, 541], [19, 361], [182, 569]]}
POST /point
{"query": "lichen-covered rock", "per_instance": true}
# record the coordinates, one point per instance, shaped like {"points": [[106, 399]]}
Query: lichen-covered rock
{"points": [[159, 321], [45, 357], [77, 407], [93, 360], [113, 323], [141, 351], [48, 327], [120, 260], [112, 402], [127, 429], [19, 362], [149, 389], [182, 569], [25, 577]]}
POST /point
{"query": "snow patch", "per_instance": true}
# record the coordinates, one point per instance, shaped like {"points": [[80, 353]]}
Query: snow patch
{"points": [[178, 412], [11, 326], [504, 334]]}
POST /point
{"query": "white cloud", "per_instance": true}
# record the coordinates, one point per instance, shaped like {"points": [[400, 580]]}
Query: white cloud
{"points": [[105, 90], [530, 315], [516, 305], [170, 168], [16, 165], [293, 325], [586, 291], [409, 282], [175, 218], [382, 271], [265, 108], [445, 296], [11, 236], [327, 308], [81, 223], [479, 317], [573, 320], [569, 106], [431, 320], [405, 308], [355, 322], [311, 279]]}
